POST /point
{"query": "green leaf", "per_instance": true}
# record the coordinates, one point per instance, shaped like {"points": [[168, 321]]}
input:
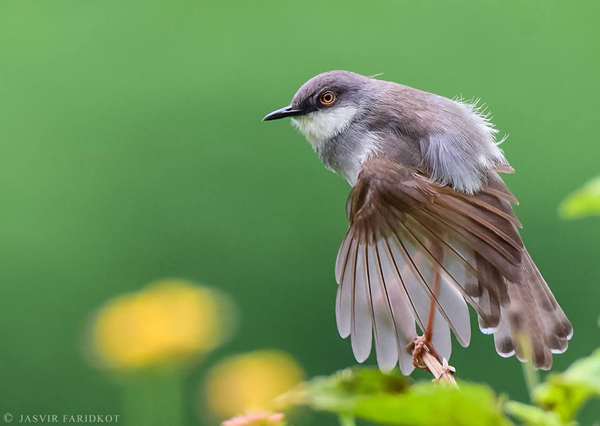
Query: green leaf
{"points": [[566, 392], [584, 202], [391, 399], [533, 416]]}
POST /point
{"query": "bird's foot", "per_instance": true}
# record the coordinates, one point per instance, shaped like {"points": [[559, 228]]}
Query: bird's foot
{"points": [[425, 357], [417, 347]]}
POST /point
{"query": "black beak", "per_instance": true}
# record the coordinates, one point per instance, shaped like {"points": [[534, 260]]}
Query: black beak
{"points": [[287, 111]]}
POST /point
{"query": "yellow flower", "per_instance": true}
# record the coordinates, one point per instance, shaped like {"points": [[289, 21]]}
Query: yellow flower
{"points": [[250, 382], [170, 320]]}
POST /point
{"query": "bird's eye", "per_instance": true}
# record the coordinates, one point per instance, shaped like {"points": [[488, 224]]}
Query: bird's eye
{"points": [[327, 98]]}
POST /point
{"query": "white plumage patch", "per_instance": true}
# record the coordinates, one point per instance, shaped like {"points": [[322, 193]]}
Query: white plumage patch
{"points": [[320, 126], [483, 119], [462, 159], [369, 145]]}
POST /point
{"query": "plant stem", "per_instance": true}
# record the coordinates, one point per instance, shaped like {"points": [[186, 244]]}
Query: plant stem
{"points": [[346, 420], [154, 397], [532, 378]]}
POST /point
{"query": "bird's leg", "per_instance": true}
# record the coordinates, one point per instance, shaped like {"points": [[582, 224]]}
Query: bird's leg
{"points": [[422, 342], [424, 355]]}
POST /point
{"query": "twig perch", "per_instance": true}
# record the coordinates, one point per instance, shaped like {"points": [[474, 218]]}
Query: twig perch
{"points": [[443, 373]]}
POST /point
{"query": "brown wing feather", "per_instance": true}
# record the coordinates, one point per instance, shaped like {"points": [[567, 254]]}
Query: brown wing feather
{"points": [[405, 228]]}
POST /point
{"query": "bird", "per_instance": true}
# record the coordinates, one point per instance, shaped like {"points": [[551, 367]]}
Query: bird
{"points": [[431, 225]]}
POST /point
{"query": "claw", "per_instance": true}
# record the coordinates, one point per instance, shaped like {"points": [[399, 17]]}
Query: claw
{"points": [[417, 347], [420, 344]]}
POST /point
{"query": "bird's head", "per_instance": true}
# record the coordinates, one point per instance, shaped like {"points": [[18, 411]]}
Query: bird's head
{"points": [[325, 105]]}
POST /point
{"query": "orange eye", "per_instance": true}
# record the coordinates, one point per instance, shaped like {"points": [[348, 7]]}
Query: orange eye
{"points": [[327, 98]]}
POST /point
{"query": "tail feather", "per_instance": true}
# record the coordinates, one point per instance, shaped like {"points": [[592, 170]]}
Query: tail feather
{"points": [[533, 318]]}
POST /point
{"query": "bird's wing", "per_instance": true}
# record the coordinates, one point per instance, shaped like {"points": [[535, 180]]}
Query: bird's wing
{"points": [[411, 241]]}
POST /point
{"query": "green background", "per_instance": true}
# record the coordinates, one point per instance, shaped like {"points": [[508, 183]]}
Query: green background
{"points": [[132, 149]]}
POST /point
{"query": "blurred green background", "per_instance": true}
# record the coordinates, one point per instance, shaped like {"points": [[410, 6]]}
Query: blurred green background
{"points": [[132, 148]]}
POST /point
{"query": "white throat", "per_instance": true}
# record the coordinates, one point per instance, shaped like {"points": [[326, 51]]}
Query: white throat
{"points": [[320, 126]]}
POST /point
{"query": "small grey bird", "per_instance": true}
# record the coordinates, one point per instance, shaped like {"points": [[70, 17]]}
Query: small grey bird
{"points": [[431, 224]]}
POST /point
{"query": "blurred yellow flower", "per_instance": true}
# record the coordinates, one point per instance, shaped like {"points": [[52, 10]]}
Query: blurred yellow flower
{"points": [[250, 382], [170, 320]]}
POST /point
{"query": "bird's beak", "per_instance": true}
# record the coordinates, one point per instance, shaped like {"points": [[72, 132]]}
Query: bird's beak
{"points": [[287, 111]]}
